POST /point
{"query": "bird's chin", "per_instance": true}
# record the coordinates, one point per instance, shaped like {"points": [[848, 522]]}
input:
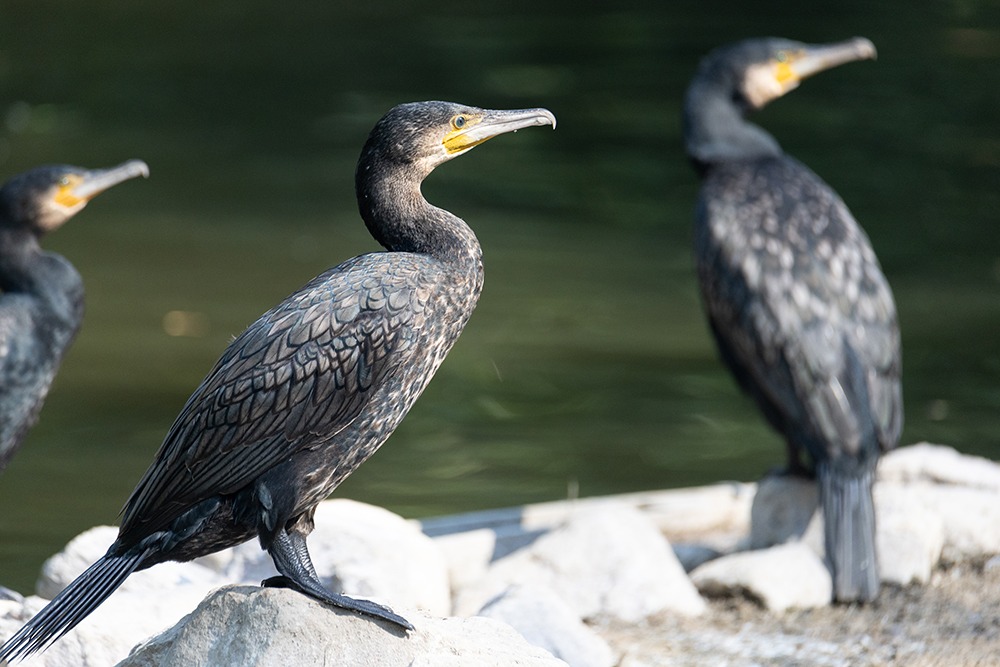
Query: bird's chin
{"points": [[55, 215]]}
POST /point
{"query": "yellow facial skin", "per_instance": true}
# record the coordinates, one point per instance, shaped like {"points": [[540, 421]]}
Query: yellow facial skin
{"points": [[65, 194], [784, 71], [457, 141]]}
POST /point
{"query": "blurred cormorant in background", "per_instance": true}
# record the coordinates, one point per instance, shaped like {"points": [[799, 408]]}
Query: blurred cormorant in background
{"points": [[41, 294], [794, 294]]}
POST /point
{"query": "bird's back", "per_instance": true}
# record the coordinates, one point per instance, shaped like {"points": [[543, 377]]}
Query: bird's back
{"points": [[799, 305], [316, 383]]}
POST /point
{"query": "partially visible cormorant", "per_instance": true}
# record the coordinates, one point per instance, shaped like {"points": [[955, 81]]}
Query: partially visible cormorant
{"points": [[795, 297], [41, 294], [312, 388]]}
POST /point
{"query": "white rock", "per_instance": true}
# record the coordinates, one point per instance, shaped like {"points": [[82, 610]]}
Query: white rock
{"points": [[970, 519], [941, 465], [544, 620], [84, 549], [909, 538], [79, 553], [145, 604], [780, 578], [683, 514], [607, 559], [107, 634], [249, 626], [361, 550], [468, 555]]}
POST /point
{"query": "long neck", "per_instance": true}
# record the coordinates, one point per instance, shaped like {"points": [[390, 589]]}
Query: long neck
{"points": [[26, 269], [401, 220], [715, 129]]}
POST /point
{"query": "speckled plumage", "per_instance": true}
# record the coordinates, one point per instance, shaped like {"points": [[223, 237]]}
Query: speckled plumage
{"points": [[311, 389], [799, 307]]}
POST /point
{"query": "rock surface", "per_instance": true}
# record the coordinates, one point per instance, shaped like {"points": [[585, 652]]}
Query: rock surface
{"points": [[790, 576], [607, 559], [544, 620], [256, 627]]}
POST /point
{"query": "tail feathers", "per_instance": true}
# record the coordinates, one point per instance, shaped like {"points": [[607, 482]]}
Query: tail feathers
{"points": [[849, 520], [72, 605]]}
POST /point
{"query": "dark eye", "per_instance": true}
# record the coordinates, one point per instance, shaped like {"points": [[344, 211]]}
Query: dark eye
{"points": [[458, 122]]}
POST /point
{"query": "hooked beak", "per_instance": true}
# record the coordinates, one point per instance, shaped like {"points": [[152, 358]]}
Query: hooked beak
{"points": [[98, 180], [491, 123]]}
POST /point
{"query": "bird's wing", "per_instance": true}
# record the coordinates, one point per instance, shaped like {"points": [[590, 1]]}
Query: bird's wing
{"points": [[798, 303], [297, 376]]}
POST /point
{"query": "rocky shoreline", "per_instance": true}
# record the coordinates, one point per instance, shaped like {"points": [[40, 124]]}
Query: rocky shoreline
{"points": [[729, 574]]}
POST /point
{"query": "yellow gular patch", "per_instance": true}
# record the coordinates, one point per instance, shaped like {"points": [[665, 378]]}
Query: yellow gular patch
{"points": [[784, 73], [65, 193], [457, 138]]}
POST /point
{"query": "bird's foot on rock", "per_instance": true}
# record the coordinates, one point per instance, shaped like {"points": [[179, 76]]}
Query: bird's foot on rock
{"points": [[366, 607]]}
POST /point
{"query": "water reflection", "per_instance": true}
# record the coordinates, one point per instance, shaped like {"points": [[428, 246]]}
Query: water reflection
{"points": [[587, 362]]}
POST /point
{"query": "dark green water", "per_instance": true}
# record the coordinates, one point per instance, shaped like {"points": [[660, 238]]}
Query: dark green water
{"points": [[587, 364]]}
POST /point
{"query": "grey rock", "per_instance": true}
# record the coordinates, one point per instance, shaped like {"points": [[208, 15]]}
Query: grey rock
{"points": [[785, 508], [782, 577], [250, 627], [544, 620]]}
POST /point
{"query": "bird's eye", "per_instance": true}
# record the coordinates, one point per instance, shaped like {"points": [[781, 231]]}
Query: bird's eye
{"points": [[781, 56], [458, 122], [64, 181]]}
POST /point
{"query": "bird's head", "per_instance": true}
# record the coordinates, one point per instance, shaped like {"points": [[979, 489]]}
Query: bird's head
{"points": [[762, 70], [44, 198], [425, 134]]}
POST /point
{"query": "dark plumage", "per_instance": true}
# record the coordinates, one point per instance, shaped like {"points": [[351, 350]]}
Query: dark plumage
{"points": [[795, 297], [312, 388], [41, 294]]}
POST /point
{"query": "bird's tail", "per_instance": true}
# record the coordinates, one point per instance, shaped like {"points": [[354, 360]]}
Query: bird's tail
{"points": [[72, 605], [849, 520]]}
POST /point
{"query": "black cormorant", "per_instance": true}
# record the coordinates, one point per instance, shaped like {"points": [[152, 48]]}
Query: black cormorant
{"points": [[312, 388], [795, 297], [41, 294]]}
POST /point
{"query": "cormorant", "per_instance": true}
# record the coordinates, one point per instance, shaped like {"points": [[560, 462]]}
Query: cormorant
{"points": [[798, 305], [311, 389], [41, 294]]}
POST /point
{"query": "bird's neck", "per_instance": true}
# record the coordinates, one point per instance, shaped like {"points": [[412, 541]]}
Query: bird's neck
{"points": [[26, 269], [716, 130], [401, 220]]}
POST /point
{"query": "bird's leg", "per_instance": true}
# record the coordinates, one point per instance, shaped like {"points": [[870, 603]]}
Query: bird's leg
{"points": [[795, 466], [291, 557]]}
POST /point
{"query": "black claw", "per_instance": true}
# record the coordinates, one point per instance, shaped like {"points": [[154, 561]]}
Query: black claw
{"points": [[279, 581]]}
